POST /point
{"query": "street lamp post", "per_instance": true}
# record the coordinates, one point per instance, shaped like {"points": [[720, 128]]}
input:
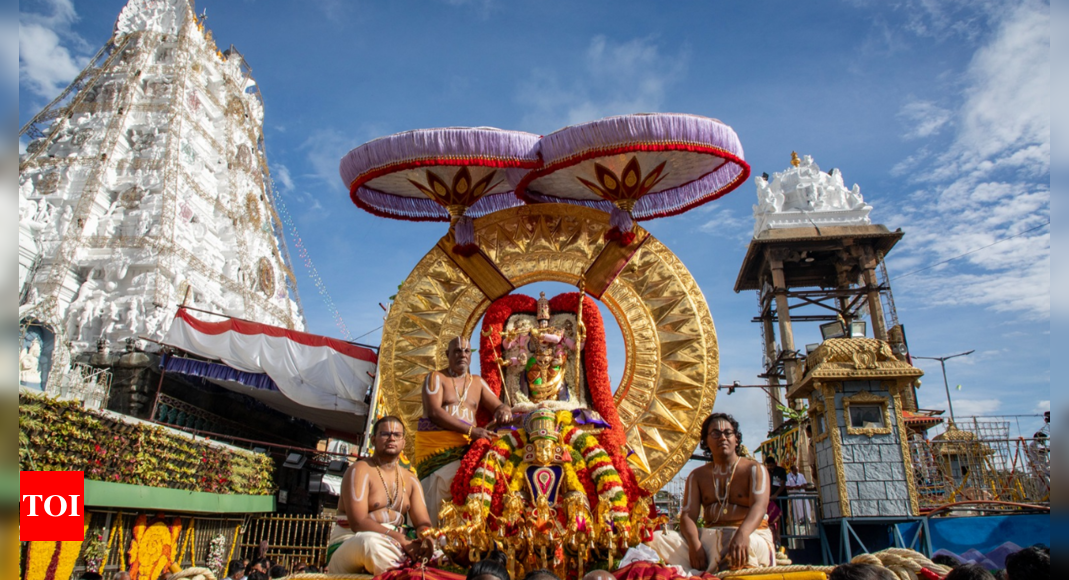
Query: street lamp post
{"points": [[943, 364]]}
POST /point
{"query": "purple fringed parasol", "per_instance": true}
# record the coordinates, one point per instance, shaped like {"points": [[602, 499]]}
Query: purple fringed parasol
{"points": [[636, 166], [438, 174]]}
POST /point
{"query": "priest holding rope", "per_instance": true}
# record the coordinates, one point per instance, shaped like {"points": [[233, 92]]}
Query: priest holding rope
{"points": [[731, 493], [451, 398]]}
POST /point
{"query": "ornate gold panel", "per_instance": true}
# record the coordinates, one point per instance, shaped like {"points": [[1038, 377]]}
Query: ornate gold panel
{"points": [[837, 448], [672, 359]]}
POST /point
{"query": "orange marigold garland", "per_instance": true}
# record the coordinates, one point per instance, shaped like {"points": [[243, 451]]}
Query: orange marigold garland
{"points": [[152, 549]]}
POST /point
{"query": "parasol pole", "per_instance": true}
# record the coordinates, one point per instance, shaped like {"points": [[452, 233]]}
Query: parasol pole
{"points": [[580, 329], [500, 364]]}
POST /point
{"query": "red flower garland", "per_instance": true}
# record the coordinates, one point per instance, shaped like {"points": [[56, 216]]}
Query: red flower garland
{"points": [[597, 367], [460, 488]]}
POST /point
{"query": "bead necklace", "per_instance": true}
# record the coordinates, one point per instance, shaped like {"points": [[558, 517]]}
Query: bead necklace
{"points": [[721, 500], [458, 410], [398, 486]]}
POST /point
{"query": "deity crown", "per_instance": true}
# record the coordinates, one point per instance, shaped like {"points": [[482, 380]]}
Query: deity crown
{"points": [[541, 424]]}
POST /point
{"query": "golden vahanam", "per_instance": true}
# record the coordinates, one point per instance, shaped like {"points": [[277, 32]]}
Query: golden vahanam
{"points": [[672, 359]]}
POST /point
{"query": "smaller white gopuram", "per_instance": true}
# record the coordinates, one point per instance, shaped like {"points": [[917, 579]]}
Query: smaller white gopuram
{"points": [[805, 196]]}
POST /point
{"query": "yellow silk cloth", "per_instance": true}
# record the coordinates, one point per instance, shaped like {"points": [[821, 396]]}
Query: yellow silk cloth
{"points": [[429, 443]]}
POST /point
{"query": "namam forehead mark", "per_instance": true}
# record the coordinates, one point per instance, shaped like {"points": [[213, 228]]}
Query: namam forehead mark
{"points": [[390, 421], [458, 342], [720, 424]]}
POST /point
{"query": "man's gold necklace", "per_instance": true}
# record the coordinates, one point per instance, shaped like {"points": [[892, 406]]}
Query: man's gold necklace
{"points": [[462, 398], [398, 486], [722, 499]]}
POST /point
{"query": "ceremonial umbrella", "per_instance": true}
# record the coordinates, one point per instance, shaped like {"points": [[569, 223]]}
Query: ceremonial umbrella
{"points": [[451, 174], [637, 167]]}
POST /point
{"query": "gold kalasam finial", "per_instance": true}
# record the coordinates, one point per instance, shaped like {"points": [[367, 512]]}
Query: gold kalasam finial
{"points": [[795, 161]]}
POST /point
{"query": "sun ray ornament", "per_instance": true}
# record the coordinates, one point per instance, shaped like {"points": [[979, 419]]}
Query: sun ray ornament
{"points": [[453, 174], [636, 167]]}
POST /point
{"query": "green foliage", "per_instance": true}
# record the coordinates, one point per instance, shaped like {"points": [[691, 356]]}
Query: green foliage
{"points": [[797, 415], [63, 436]]}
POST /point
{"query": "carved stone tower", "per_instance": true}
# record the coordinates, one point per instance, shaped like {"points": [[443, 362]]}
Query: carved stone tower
{"points": [[146, 186]]}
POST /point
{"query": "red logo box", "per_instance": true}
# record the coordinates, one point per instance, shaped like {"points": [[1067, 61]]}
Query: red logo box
{"points": [[51, 506]]}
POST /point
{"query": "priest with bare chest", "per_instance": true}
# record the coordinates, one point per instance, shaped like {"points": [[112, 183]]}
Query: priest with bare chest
{"points": [[377, 496], [451, 398], [730, 496]]}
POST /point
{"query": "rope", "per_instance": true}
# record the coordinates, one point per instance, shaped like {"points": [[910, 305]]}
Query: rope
{"points": [[904, 564], [329, 577], [774, 570]]}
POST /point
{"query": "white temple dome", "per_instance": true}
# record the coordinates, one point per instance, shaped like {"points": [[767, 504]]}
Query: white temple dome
{"points": [[805, 196]]}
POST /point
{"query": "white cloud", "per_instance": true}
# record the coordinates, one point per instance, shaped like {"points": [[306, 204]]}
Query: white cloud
{"points": [[324, 150], [991, 183], [46, 61], [22, 146], [723, 222], [1042, 407], [283, 177], [612, 79], [972, 407], [926, 118]]}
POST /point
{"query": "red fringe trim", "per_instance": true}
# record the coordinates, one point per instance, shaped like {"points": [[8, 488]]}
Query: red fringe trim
{"points": [[615, 235], [369, 175], [467, 250], [521, 188]]}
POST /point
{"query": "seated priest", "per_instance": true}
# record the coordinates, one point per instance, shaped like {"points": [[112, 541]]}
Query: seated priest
{"points": [[376, 496], [451, 398], [731, 493]]}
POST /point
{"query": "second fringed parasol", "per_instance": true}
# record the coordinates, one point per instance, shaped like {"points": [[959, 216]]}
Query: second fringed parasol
{"points": [[636, 167], [452, 174]]}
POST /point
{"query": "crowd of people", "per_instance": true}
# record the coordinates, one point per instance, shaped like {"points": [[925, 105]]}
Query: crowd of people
{"points": [[263, 569]]}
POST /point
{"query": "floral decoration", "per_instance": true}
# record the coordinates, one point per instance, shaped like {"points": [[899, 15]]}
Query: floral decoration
{"points": [[52, 560], [152, 550], [63, 436], [611, 442], [95, 550], [217, 555]]}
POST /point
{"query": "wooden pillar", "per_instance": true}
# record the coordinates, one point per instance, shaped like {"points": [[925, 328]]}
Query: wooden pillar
{"points": [[775, 394], [783, 313], [872, 287]]}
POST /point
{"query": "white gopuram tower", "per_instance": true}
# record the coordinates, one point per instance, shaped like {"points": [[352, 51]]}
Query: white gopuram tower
{"points": [[146, 186]]}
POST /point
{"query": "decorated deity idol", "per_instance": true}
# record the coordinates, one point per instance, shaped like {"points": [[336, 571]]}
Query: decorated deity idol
{"points": [[563, 456], [538, 360]]}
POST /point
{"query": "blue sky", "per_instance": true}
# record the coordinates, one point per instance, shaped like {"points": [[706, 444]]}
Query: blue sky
{"points": [[939, 109]]}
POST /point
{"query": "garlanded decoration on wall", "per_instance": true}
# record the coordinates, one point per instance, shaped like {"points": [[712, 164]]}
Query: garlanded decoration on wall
{"points": [[95, 550], [67, 437], [784, 447], [51, 560], [152, 550]]}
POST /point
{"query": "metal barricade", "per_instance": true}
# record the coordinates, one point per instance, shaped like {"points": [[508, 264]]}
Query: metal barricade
{"points": [[800, 516], [289, 538]]}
